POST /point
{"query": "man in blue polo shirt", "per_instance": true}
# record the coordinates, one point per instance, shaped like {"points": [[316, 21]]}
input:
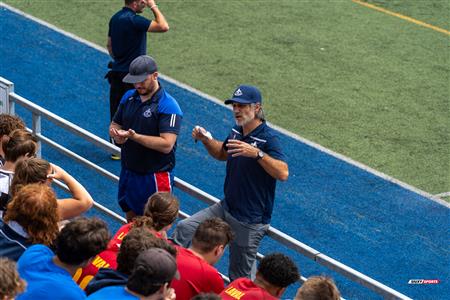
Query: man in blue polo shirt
{"points": [[146, 124], [254, 163], [127, 39]]}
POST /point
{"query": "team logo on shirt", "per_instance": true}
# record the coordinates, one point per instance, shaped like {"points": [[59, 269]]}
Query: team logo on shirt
{"points": [[148, 113], [254, 144]]}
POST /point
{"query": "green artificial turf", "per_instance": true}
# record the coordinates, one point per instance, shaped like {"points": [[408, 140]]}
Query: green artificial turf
{"points": [[360, 82]]}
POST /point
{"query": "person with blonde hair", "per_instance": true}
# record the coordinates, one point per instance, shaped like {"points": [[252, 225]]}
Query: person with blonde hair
{"points": [[160, 213], [318, 288], [10, 282], [36, 170], [31, 218]]}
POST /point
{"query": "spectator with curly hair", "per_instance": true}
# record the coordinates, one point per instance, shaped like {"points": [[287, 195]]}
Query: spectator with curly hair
{"points": [[160, 213], [136, 241], [318, 288], [36, 170], [10, 282], [49, 274], [20, 145], [8, 123], [275, 273], [31, 218]]}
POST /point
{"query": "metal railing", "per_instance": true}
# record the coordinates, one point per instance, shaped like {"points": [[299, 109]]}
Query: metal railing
{"points": [[8, 100]]}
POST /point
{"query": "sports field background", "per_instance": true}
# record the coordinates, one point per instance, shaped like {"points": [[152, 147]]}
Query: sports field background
{"points": [[363, 221], [363, 83]]}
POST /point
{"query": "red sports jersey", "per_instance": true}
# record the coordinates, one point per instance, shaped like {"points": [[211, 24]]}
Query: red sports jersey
{"points": [[106, 258], [196, 276], [245, 289]]}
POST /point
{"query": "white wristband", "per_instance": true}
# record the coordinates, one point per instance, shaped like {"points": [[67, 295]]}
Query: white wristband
{"points": [[153, 6]]}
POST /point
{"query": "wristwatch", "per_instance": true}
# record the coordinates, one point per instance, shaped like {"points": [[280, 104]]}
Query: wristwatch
{"points": [[260, 155]]}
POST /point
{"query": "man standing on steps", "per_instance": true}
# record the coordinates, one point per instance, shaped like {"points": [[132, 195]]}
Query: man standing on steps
{"points": [[255, 162], [127, 39], [146, 124]]}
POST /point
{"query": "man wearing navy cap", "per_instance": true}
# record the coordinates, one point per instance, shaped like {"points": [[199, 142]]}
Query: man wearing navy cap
{"points": [[146, 124], [254, 163]]}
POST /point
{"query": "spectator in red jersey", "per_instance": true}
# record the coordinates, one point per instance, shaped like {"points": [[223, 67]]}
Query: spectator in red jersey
{"points": [[160, 212], [275, 273], [318, 288], [195, 264], [136, 241]]}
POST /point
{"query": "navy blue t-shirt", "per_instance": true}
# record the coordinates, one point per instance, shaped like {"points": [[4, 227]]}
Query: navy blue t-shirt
{"points": [[128, 33], [249, 190], [160, 114]]}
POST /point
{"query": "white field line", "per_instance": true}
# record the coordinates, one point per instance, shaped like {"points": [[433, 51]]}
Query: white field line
{"points": [[441, 195], [220, 102]]}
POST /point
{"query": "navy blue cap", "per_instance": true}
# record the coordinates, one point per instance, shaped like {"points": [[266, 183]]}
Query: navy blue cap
{"points": [[245, 94]]}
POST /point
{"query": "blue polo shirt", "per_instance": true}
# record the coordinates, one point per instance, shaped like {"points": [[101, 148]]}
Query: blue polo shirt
{"points": [[128, 33], [249, 190], [46, 280], [160, 114]]}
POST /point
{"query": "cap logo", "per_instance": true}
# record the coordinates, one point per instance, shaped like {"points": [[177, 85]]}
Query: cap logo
{"points": [[238, 93]]}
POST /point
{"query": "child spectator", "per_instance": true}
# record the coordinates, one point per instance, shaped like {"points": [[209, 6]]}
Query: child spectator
{"points": [[20, 145], [49, 274], [275, 273], [10, 282], [152, 273], [318, 288], [160, 212], [195, 264], [31, 218], [136, 241], [8, 123], [36, 170]]}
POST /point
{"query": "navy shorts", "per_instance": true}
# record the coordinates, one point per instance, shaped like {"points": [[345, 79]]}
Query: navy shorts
{"points": [[136, 188]]}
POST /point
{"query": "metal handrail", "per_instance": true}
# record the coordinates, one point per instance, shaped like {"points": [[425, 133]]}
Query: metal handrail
{"points": [[273, 233]]}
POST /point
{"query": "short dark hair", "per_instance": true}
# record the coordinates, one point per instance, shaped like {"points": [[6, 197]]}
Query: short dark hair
{"points": [[20, 143], [206, 296], [318, 288], [136, 241], [81, 239], [211, 233], [279, 270], [8, 123], [129, 2]]}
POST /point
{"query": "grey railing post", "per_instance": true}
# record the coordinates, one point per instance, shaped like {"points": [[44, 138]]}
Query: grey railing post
{"points": [[37, 131], [6, 87]]}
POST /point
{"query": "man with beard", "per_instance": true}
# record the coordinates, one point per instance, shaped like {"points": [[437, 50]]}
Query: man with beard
{"points": [[127, 39], [146, 124], [254, 163]]}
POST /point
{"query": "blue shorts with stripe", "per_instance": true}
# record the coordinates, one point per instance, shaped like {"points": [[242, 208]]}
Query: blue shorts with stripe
{"points": [[136, 188]]}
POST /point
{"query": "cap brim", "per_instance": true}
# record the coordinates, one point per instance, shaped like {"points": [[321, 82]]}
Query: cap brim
{"points": [[238, 100], [134, 78]]}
